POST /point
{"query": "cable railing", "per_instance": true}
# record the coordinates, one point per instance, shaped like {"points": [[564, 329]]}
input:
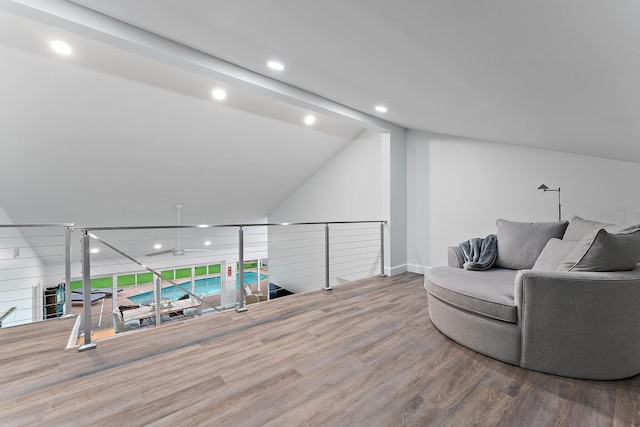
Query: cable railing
{"points": [[34, 260], [121, 279]]}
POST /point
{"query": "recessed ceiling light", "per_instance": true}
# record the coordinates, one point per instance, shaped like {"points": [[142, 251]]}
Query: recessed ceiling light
{"points": [[309, 120], [207, 243], [61, 47], [157, 246], [94, 250], [381, 109], [275, 65], [219, 94]]}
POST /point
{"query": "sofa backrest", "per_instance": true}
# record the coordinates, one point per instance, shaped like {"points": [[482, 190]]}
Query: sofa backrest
{"points": [[520, 243], [592, 246]]}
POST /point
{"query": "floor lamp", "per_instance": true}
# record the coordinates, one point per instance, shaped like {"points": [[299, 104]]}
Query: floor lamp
{"points": [[544, 188]]}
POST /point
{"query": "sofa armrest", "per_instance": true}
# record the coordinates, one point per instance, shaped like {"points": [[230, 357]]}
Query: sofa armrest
{"points": [[455, 258], [580, 324]]}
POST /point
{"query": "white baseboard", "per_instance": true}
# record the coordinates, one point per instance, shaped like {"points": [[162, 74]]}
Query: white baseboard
{"points": [[399, 269], [420, 269]]}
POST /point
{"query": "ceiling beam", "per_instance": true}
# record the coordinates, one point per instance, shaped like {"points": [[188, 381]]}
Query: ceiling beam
{"points": [[81, 20]]}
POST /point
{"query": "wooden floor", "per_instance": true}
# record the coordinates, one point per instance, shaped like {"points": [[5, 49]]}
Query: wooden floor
{"points": [[364, 354]]}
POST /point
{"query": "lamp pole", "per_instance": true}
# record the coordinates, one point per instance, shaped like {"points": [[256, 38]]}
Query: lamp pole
{"points": [[544, 188]]}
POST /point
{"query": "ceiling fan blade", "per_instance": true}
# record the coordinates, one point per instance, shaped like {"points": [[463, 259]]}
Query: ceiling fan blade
{"points": [[160, 252], [198, 250], [178, 250]]}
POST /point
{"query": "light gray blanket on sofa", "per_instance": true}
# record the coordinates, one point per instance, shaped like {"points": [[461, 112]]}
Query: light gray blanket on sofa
{"points": [[480, 254]]}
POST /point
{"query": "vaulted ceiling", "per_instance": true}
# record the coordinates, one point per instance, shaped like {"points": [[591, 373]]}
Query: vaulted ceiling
{"points": [[107, 137], [560, 75], [553, 74]]}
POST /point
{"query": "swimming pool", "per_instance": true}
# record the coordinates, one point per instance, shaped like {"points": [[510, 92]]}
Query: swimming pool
{"points": [[207, 286]]}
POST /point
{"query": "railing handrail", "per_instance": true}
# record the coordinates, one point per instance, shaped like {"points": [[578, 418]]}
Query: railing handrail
{"points": [[267, 224], [7, 314], [73, 227], [62, 224], [237, 253]]}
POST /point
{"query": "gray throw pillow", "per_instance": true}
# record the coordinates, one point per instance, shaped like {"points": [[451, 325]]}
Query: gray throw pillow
{"points": [[520, 243], [553, 254], [580, 228], [604, 251]]}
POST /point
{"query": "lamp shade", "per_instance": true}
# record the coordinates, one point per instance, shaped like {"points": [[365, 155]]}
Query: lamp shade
{"points": [[543, 187]]}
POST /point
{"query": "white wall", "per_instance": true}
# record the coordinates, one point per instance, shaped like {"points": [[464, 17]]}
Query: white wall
{"points": [[458, 187], [350, 187], [18, 277]]}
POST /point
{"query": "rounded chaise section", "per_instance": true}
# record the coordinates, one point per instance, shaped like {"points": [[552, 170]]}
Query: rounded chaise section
{"points": [[580, 324], [574, 324], [476, 310]]}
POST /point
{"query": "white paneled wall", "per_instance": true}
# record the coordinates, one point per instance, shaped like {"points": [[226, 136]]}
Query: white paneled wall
{"points": [[458, 187]]}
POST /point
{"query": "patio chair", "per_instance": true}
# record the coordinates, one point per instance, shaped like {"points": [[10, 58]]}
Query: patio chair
{"points": [[251, 298], [121, 326]]}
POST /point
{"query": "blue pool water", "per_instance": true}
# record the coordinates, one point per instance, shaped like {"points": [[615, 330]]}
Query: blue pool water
{"points": [[208, 286]]}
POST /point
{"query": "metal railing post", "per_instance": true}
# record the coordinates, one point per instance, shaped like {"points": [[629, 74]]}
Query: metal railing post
{"points": [[327, 287], [86, 289], [114, 293], [67, 271], [382, 250], [242, 305], [157, 293], [259, 269], [193, 280]]}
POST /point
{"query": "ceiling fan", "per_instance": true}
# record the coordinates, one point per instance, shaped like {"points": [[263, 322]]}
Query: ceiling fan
{"points": [[178, 249]]}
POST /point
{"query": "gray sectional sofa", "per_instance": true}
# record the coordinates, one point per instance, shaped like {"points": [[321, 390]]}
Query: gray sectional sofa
{"points": [[563, 298]]}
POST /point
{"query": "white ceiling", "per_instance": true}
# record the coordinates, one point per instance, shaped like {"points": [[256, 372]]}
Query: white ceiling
{"points": [[119, 128], [106, 137], [559, 74]]}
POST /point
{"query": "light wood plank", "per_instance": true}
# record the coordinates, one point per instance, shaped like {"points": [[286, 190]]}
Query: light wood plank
{"points": [[362, 354]]}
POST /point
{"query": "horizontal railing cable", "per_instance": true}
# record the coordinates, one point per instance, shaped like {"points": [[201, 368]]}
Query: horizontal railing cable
{"points": [[202, 262]]}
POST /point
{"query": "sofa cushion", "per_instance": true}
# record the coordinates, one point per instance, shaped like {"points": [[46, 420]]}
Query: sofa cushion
{"points": [[520, 243], [605, 251], [553, 254], [580, 228], [488, 293]]}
